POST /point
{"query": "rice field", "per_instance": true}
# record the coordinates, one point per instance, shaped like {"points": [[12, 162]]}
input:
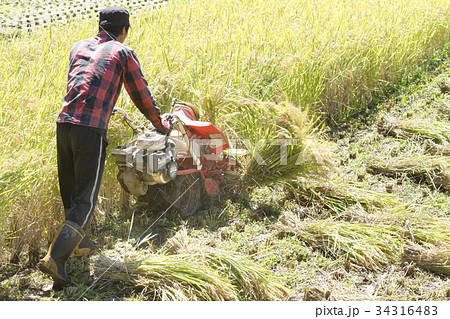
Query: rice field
{"points": [[260, 71], [24, 16]]}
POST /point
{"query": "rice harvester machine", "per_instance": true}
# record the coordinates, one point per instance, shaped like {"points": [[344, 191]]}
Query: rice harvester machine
{"points": [[183, 168]]}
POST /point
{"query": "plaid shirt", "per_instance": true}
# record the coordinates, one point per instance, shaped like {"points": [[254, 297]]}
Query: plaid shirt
{"points": [[98, 67]]}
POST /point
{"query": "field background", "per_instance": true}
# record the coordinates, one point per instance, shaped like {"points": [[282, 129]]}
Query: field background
{"points": [[310, 70]]}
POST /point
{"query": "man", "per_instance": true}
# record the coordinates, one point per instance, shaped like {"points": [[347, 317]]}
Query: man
{"points": [[98, 68]]}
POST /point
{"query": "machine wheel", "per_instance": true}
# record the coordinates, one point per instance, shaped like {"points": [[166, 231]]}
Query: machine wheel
{"points": [[154, 198], [185, 192]]}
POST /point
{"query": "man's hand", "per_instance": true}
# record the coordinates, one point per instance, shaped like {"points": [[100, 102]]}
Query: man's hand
{"points": [[161, 129]]}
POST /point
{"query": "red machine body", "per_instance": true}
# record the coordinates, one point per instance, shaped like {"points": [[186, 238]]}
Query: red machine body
{"points": [[212, 143]]}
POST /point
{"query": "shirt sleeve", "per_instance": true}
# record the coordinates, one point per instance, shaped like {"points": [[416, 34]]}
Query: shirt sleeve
{"points": [[137, 87]]}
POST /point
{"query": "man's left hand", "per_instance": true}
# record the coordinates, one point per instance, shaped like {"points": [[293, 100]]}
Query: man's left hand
{"points": [[161, 129]]}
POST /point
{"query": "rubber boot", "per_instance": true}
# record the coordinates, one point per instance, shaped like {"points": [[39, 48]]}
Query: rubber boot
{"points": [[54, 263], [85, 247]]}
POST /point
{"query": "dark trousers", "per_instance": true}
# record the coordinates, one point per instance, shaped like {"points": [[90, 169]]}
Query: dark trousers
{"points": [[81, 160]]}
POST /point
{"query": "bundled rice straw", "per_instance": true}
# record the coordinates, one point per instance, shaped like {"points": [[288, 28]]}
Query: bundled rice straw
{"points": [[432, 169], [210, 275], [337, 195], [168, 278], [438, 132], [435, 149], [363, 245], [434, 258], [282, 141], [254, 282]]}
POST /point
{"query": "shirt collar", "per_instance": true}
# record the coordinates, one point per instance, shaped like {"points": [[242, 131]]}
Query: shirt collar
{"points": [[106, 36]]}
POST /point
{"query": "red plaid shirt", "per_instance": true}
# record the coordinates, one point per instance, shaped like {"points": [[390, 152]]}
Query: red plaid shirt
{"points": [[98, 67]]}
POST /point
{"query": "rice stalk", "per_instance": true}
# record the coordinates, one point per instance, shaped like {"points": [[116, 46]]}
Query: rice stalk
{"points": [[431, 258], [438, 132], [337, 195], [417, 219], [416, 226], [283, 141], [410, 221], [252, 281], [435, 149], [364, 245], [168, 277], [434, 170], [193, 273]]}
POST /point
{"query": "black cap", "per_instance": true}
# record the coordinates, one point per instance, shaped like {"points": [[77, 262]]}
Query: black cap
{"points": [[114, 16]]}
